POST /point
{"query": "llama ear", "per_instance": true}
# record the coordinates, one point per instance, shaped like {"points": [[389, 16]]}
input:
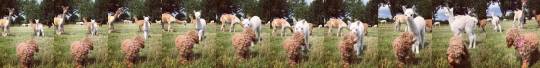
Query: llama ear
{"points": [[404, 8]]}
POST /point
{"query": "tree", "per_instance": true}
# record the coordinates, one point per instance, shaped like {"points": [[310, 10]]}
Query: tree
{"points": [[214, 8], [274, 9], [31, 10], [108, 6], [4, 4], [249, 7], [425, 8], [356, 9], [140, 8], [300, 9]]}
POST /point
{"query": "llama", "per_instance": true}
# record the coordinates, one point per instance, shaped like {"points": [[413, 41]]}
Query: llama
{"points": [[359, 29], [256, 25], [335, 23], [185, 44], [519, 17], [458, 56], [131, 49], [229, 19], [59, 21], [144, 25], [293, 46], [37, 27], [417, 26], [281, 23], [429, 25], [80, 51], [200, 25], [25, 51], [402, 48], [305, 28], [496, 23], [92, 26], [111, 18], [462, 23], [5, 21], [537, 18], [482, 23], [347, 48], [398, 20], [168, 19]]}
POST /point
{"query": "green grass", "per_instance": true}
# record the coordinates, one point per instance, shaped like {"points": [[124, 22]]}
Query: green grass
{"points": [[217, 51]]}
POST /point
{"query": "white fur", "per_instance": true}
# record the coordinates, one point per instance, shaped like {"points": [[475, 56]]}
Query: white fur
{"points": [[496, 23], [304, 27], [519, 17], [463, 23], [417, 26], [358, 28], [256, 26], [39, 28], [146, 27], [94, 27]]}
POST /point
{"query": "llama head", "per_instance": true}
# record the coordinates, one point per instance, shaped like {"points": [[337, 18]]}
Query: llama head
{"points": [[197, 14], [299, 26], [93, 20], [36, 21], [65, 9], [10, 11], [409, 12], [146, 18], [246, 23]]}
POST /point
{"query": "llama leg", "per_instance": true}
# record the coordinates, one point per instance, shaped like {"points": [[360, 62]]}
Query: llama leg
{"points": [[339, 32], [232, 28], [396, 26], [222, 24], [282, 31]]}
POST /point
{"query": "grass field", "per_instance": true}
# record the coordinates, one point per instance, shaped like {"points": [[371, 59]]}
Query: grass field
{"points": [[217, 51]]}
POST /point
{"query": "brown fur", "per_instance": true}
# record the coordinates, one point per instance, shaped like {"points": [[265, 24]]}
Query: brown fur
{"points": [[402, 48], [110, 19], [335, 23], [292, 46], [278, 23], [346, 48], [538, 19], [80, 50], [483, 24], [511, 35], [25, 52], [242, 42], [366, 26], [59, 20], [227, 19], [131, 49], [139, 23], [184, 44], [168, 19], [458, 56], [4, 22], [527, 47], [429, 25]]}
